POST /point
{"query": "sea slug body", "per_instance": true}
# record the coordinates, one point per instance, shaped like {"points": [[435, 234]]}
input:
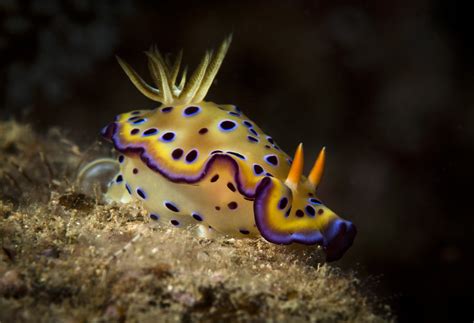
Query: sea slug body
{"points": [[194, 162]]}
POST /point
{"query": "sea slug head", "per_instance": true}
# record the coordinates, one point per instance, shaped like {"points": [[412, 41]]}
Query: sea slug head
{"points": [[289, 211]]}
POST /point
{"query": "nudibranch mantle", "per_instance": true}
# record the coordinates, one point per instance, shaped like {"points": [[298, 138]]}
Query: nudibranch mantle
{"points": [[192, 162]]}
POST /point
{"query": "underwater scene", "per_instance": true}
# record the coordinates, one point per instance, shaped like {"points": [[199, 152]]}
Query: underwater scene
{"points": [[245, 161]]}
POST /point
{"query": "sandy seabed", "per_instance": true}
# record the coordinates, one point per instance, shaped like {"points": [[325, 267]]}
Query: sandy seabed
{"points": [[57, 259]]}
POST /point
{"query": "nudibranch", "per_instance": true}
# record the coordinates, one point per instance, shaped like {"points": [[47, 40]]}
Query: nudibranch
{"points": [[194, 162]]}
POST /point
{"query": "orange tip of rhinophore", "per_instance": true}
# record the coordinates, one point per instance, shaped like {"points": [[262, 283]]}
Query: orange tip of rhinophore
{"points": [[318, 169], [296, 169]]}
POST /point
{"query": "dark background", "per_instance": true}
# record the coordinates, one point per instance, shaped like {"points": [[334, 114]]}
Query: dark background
{"points": [[385, 85]]}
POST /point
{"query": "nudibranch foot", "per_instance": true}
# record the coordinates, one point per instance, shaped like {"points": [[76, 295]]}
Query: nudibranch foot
{"points": [[98, 177]]}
